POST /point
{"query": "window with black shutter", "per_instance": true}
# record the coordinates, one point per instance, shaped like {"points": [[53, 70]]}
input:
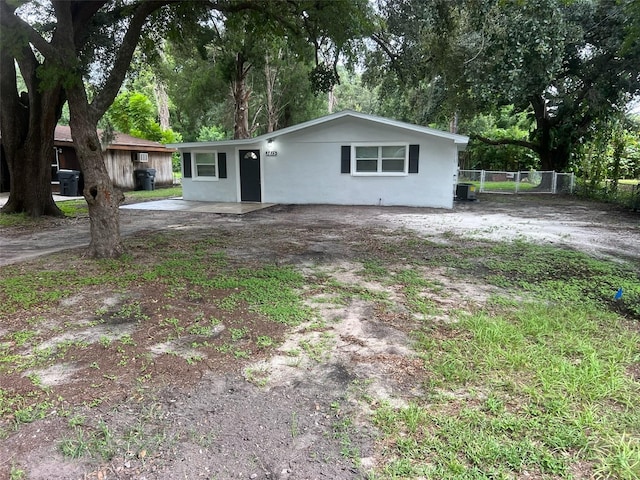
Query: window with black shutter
{"points": [[206, 165], [388, 159]]}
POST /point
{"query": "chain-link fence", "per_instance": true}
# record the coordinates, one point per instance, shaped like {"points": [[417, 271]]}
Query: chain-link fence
{"points": [[531, 181]]}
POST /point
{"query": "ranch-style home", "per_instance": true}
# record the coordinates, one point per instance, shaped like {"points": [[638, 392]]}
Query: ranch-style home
{"points": [[346, 158]]}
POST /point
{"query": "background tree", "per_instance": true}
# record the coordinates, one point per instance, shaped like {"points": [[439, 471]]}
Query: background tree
{"points": [[197, 93], [570, 63], [353, 94], [503, 124], [135, 114], [284, 90], [253, 69]]}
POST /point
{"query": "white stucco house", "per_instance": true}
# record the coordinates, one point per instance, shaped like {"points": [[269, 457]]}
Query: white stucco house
{"points": [[346, 158]]}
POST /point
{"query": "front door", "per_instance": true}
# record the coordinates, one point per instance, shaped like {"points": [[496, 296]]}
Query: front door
{"points": [[250, 190]]}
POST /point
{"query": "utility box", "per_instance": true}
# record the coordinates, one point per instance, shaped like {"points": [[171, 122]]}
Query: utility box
{"points": [[145, 178], [69, 182], [466, 191]]}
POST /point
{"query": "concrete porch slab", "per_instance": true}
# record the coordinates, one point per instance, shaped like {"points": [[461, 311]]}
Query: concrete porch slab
{"points": [[179, 205]]}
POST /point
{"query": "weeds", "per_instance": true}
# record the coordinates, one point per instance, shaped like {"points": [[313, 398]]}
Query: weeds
{"points": [[17, 473], [97, 442], [318, 349]]}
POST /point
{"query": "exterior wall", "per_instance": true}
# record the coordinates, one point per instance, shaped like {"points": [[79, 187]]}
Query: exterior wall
{"points": [[121, 168], [307, 169], [222, 189]]}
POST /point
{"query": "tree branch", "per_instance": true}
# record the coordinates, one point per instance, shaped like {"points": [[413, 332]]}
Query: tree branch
{"points": [[109, 90], [81, 13], [393, 57], [9, 19], [507, 141]]}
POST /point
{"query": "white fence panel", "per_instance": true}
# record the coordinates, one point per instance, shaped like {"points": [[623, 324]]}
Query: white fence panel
{"points": [[532, 181]]}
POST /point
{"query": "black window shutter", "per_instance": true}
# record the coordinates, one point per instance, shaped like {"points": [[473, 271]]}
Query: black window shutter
{"points": [[414, 154], [345, 164], [222, 165], [186, 165]]}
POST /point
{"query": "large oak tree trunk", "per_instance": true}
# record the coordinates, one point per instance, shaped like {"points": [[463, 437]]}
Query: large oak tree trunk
{"points": [[30, 175], [102, 197], [28, 123], [555, 153]]}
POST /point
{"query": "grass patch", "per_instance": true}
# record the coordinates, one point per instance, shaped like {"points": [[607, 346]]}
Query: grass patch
{"points": [[539, 381], [73, 208], [533, 386], [144, 195], [563, 275], [15, 219], [533, 389]]}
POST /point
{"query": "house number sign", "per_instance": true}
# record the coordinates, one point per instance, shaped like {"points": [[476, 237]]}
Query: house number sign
{"points": [[271, 153]]}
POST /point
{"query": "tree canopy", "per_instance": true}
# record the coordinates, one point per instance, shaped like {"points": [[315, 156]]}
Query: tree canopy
{"points": [[568, 64]]}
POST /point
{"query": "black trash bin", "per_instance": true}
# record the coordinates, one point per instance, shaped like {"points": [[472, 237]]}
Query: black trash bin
{"points": [[466, 191], [68, 182], [145, 179]]}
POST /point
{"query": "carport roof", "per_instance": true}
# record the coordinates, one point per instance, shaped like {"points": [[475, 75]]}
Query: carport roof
{"points": [[460, 140]]}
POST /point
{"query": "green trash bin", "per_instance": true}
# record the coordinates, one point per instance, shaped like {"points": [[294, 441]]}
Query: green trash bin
{"points": [[145, 179]]}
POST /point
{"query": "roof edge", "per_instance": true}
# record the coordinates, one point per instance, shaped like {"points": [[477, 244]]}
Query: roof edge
{"points": [[457, 139]]}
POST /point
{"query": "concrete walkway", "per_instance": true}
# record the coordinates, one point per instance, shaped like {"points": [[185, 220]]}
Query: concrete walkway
{"points": [[145, 216], [179, 205]]}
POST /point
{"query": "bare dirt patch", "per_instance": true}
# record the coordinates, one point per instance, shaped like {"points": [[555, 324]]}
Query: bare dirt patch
{"points": [[158, 381]]}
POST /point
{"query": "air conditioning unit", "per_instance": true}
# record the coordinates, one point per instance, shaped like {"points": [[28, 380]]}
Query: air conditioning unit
{"points": [[140, 157]]}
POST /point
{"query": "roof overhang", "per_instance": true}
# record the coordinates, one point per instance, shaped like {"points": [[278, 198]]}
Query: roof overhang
{"points": [[460, 141]]}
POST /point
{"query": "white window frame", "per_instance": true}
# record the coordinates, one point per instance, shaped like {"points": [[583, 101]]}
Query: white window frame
{"points": [[379, 172], [194, 166]]}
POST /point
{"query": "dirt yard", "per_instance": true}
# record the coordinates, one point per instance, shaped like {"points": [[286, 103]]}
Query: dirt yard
{"points": [[293, 409]]}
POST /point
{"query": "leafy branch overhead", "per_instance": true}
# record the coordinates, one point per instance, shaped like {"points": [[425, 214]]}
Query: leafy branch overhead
{"points": [[568, 64]]}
